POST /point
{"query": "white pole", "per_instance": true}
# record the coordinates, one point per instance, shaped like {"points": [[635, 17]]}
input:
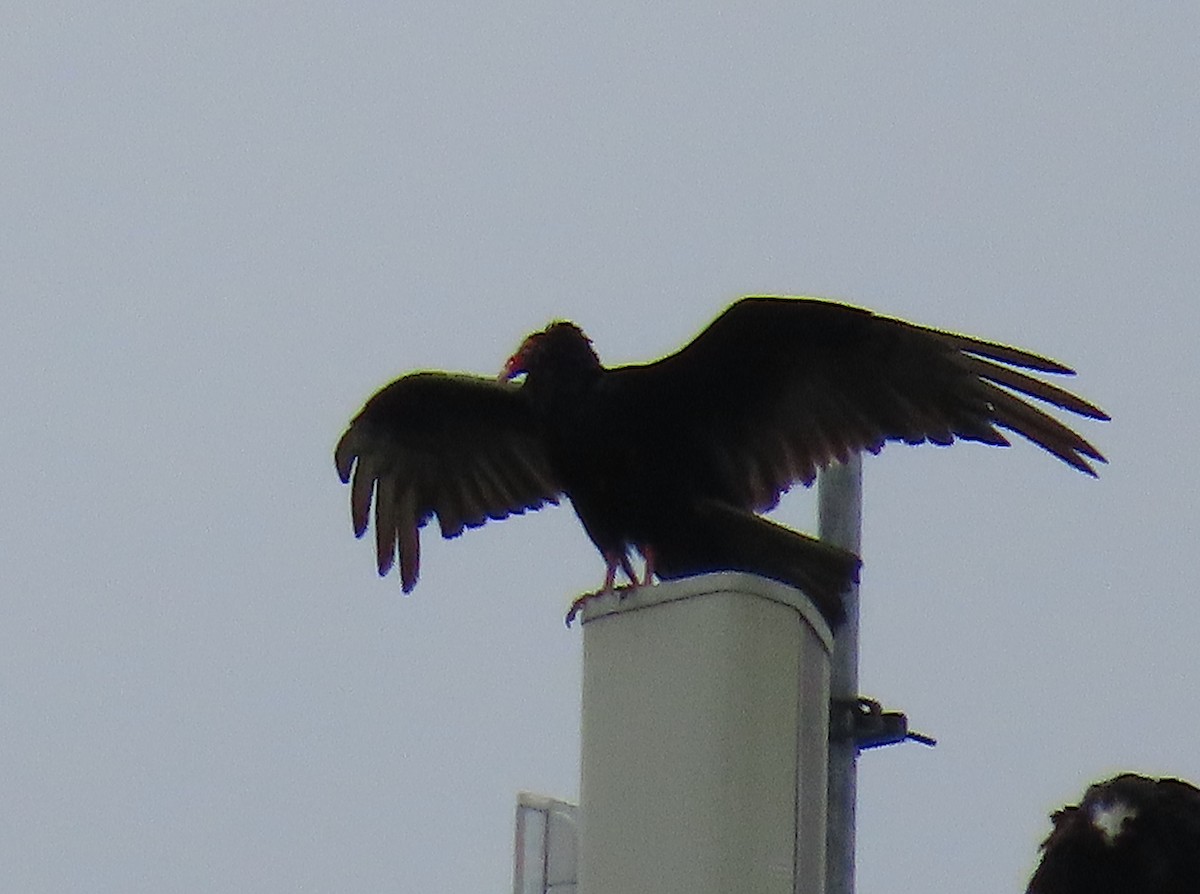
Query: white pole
{"points": [[839, 500]]}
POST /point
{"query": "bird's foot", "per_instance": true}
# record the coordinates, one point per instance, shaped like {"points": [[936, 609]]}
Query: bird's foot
{"points": [[576, 607], [607, 590]]}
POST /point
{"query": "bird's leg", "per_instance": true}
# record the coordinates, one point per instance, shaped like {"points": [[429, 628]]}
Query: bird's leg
{"points": [[612, 561], [648, 554], [627, 567], [610, 574]]}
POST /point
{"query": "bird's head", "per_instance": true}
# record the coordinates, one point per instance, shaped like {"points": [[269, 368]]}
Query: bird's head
{"points": [[1110, 805], [560, 348]]}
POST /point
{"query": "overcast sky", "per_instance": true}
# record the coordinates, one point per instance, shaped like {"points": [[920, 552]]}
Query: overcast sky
{"points": [[223, 225]]}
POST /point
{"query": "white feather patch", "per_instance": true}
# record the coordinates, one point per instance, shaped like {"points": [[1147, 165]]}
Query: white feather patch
{"points": [[1110, 819]]}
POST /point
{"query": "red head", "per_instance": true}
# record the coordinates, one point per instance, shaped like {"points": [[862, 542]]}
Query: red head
{"points": [[561, 346]]}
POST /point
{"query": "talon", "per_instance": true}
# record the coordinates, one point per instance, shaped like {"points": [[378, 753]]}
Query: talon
{"points": [[575, 608]]}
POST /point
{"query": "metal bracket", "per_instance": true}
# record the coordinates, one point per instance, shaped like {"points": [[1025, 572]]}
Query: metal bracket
{"points": [[865, 722]]}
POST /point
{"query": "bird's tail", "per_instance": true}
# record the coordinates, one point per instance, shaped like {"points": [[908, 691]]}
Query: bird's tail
{"points": [[726, 538]]}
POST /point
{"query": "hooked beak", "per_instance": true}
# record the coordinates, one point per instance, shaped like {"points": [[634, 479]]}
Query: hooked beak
{"points": [[512, 368]]}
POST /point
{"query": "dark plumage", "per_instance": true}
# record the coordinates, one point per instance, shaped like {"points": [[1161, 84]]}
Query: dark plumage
{"points": [[1129, 835], [675, 458]]}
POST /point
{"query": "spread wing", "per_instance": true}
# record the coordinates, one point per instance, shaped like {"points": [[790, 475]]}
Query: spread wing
{"points": [[463, 448], [777, 388]]}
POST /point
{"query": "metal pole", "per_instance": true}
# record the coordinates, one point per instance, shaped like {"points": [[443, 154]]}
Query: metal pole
{"points": [[839, 514]]}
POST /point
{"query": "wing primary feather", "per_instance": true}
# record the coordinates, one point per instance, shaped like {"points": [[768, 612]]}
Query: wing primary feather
{"points": [[345, 453], [385, 525], [1052, 426], [1046, 431], [409, 540], [1044, 391], [360, 498], [1003, 353]]}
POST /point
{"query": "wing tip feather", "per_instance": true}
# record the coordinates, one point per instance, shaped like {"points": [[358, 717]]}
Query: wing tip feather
{"points": [[360, 501], [344, 454]]}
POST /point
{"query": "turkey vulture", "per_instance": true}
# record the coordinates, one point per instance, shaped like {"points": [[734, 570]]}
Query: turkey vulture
{"points": [[1129, 835], [675, 458]]}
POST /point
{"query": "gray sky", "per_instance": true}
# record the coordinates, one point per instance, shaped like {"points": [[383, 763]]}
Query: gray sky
{"points": [[225, 224]]}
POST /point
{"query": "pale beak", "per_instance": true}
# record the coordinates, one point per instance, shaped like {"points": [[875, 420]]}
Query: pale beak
{"points": [[511, 369]]}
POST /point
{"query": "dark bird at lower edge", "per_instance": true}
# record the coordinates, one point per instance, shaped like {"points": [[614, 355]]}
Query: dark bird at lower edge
{"points": [[1128, 835], [675, 459]]}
